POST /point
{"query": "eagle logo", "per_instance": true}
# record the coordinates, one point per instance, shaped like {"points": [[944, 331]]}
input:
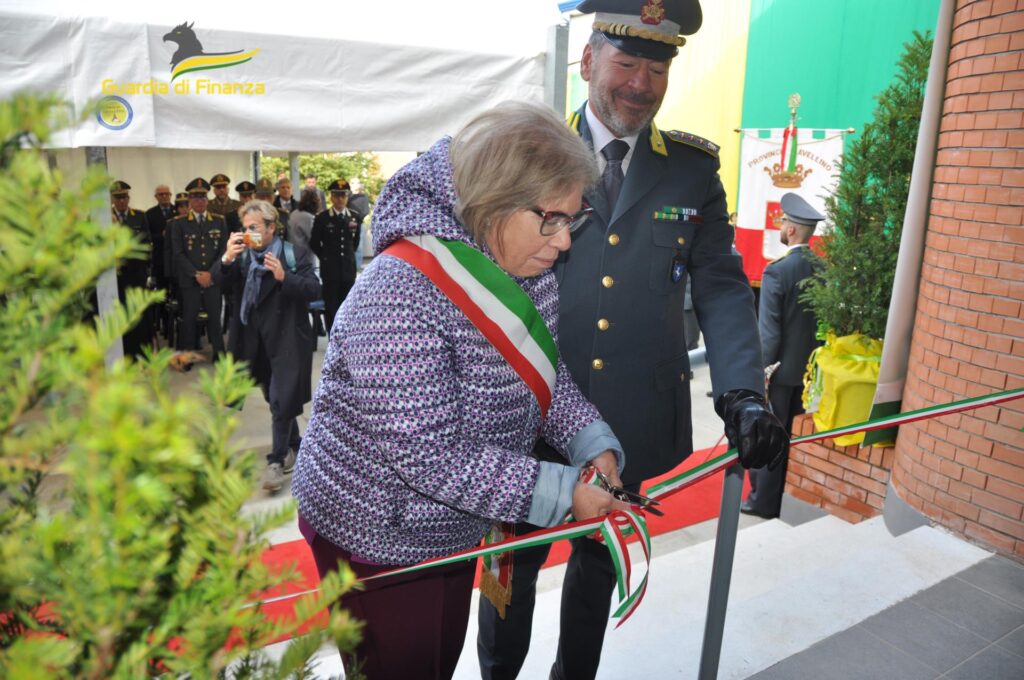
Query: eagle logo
{"points": [[190, 55]]}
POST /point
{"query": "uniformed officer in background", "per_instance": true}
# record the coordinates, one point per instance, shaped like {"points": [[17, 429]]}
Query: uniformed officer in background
{"points": [[245, 191], [221, 204], [659, 214], [334, 239], [199, 240], [133, 273], [789, 333], [181, 204]]}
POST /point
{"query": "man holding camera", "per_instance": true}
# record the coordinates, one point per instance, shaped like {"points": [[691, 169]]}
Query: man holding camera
{"points": [[271, 282]]}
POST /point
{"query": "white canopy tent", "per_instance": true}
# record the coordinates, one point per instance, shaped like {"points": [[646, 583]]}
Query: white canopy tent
{"points": [[317, 76], [321, 76]]}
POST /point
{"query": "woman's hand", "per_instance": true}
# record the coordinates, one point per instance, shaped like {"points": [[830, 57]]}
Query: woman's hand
{"points": [[608, 465], [589, 501]]}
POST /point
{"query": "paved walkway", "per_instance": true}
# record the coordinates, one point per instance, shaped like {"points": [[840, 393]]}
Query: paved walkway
{"points": [[969, 626]]}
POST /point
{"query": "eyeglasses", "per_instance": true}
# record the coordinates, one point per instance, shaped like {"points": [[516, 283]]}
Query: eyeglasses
{"points": [[553, 221], [163, 193]]}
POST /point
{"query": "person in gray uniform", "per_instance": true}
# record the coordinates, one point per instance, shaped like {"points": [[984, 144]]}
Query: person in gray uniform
{"points": [[788, 335], [659, 214]]}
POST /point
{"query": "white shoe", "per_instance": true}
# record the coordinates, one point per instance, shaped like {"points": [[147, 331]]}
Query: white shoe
{"points": [[273, 477], [289, 461]]}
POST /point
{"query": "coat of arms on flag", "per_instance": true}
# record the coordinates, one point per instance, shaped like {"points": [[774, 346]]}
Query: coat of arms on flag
{"points": [[773, 162], [496, 570]]}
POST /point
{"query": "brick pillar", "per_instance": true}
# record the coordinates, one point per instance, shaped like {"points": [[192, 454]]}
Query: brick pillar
{"points": [[966, 472]]}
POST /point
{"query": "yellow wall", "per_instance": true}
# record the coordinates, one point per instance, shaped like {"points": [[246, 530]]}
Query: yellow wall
{"points": [[705, 93]]}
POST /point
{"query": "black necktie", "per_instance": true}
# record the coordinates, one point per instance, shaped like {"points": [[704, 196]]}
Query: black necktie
{"points": [[611, 178]]}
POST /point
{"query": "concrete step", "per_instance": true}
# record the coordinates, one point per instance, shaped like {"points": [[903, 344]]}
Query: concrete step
{"points": [[791, 587]]}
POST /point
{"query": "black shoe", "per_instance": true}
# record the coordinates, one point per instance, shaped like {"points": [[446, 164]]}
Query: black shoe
{"points": [[747, 509]]}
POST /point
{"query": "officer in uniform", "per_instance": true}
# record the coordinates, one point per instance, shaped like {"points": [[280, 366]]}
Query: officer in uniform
{"points": [[133, 273], [181, 204], [334, 239], [265, 192], [788, 335], [222, 204], [172, 306], [200, 238], [245, 191], [659, 214]]}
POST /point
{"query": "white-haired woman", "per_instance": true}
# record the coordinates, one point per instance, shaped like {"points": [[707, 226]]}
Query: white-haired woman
{"points": [[428, 408]]}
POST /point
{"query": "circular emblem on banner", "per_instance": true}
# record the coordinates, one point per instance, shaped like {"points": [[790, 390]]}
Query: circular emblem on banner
{"points": [[114, 113]]}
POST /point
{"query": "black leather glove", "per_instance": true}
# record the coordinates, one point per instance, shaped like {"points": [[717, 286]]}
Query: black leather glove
{"points": [[752, 429]]}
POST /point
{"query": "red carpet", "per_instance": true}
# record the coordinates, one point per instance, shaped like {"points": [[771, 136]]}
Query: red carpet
{"points": [[696, 504]]}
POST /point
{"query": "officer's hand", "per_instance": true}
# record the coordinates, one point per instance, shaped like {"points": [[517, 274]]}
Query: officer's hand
{"points": [[755, 432], [204, 279], [236, 244]]}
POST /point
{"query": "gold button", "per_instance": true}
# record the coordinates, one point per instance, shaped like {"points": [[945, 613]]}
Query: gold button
{"points": [[613, 239], [681, 241], [607, 281], [603, 324], [597, 364]]}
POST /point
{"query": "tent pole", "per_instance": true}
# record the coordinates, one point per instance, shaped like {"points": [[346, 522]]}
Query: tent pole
{"points": [[556, 68], [106, 285], [293, 168]]}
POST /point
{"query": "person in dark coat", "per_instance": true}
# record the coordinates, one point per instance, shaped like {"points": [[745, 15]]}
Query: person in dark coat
{"points": [[133, 273], [199, 238], [157, 217], [272, 283], [659, 214], [788, 335], [284, 201], [334, 239]]}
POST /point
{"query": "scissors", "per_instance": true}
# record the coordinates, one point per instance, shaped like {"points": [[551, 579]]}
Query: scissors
{"points": [[617, 492]]}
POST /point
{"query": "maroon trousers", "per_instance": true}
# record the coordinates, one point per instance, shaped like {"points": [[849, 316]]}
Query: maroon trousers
{"points": [[414, 624]]}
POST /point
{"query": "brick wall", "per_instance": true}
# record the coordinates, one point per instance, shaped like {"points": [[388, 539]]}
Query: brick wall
{"points": [[967, 471], [848, 482]]}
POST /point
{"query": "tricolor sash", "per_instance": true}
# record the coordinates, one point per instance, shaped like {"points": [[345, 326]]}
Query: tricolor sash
{"points": [[494, 303], [506, 316]]}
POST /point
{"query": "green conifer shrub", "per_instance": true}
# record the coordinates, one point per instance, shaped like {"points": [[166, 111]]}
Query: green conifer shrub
{"points": [[851, 294], [123, 549]]}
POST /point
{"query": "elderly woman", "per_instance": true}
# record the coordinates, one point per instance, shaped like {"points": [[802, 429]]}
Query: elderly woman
{"points": [[272, 283], [428, 407]]}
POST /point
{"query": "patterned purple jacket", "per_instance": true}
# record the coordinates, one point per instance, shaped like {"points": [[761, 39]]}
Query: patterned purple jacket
{"points": [[421, 433]]}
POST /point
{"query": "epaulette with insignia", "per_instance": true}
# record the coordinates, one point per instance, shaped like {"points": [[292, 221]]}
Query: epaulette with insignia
{"points": [[689, 139]]}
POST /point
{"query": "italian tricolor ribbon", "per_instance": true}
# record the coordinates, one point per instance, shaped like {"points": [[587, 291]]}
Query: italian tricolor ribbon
{"points": [[618, 526], [493, 302]]}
